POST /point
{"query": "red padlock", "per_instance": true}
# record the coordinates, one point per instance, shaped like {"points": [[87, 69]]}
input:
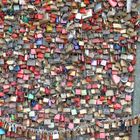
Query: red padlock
{"points": [[47, 91], [87, 97], [102, 98], [87, 2], [4, 1], [2, 94], [62, 118], [109, 102], [37, 107], [20, 99], [88, 79], [83, 10], [48, 8], [14, 35], [69, 84], [32, 68], [39, 16], [104, 89], [117, 106], [37, 2], [40, 55], [71, 17], [19, 75]]}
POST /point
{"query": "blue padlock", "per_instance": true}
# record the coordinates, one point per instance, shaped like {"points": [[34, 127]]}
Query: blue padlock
{"points": [[91, 1], [65, 70], [122, 127], [33, 103], [4, 9], [61, 46], [57, 20], [39, 41], [2, 131], [117, 47], [17, 68], [74, 42], [76, 47]]}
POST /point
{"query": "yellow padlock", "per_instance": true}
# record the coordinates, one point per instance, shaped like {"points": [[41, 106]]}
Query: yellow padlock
{"points": [[49, 28]]}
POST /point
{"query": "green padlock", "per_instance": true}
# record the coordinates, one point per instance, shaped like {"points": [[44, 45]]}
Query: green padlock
{"points": [[10, 29], [123, 49], [12, 117], [84, 92], [30, 96], [47, 55], [25, 19]]}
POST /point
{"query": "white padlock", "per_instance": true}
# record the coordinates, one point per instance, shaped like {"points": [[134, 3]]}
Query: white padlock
{"points": [[55, 135]]}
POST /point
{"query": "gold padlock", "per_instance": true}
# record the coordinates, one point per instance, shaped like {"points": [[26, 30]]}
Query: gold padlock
{"points": [[61, 136], [68, 134]]}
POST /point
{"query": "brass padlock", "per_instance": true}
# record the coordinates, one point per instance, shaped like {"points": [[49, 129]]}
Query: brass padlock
{"points": [[25, 133], [74, 134], [61, 136], [135, 121], [19, 131], [91, 130], [6, 125], [68, 134], [44, 136]]}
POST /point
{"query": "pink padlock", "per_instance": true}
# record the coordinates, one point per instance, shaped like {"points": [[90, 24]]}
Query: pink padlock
{"points": [[1, 94], [113, 3], [130, 68], [22, 30], [57, 117], [78, 91], [71, 126], [64, 31], [6, 86], [39, 35], [13, 83], [89, 86], [1, 112], [63, 84], [25, 77], [37, 107], [99, 102], [113, 99]]}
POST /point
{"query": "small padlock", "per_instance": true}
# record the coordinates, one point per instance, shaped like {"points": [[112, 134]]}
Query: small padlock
{"points": [[68, 134], [61, 136], [139, 119], [10, 128], [6, 125], [88, 130], [26, 133], [74, 134], [91, 130], [130, 122], [51, 137], [82, 131], [55, 135], [46, 136], [136, 121]]}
